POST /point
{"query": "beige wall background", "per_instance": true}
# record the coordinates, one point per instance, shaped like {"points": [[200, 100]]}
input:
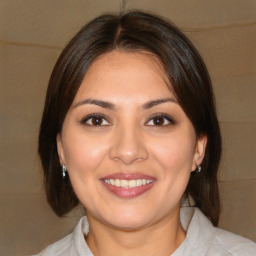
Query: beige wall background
{"points": [[33, 33]]}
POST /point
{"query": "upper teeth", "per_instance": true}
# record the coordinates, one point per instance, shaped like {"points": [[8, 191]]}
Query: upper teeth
{"points": [[127, 183]]}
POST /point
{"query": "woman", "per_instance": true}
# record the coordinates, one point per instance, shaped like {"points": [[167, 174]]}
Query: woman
{"points": [[130, 131]]}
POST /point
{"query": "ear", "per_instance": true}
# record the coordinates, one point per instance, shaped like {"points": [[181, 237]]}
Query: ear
{"points": [[60, 149], [199, 151]]}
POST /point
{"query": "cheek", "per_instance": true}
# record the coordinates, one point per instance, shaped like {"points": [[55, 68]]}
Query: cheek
{"points": [[174, 153], [173, 158], [84, 157], [84, 154]]}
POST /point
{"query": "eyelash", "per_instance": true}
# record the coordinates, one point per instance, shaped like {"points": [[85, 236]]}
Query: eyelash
{"points": [[167, 118], [99, 116]]}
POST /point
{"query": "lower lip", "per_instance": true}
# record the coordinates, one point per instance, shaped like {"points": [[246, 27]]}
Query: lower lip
{"points": [[128, 192]]}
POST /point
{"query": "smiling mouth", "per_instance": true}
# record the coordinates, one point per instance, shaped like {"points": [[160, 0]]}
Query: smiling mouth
{"points": [[128, 183]]}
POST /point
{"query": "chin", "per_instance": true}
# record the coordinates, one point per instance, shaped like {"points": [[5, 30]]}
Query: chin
{"points": [[129, 224], [128, 219]]}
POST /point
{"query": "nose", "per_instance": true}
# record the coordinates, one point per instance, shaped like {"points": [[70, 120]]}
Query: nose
{"points": [[128, 146]]}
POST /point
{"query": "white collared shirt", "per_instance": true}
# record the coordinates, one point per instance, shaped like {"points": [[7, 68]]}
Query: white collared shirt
{"points": [[202, 239]]}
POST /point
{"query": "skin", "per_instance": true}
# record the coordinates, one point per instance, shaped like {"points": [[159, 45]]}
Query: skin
{"points": [[129, 141]]}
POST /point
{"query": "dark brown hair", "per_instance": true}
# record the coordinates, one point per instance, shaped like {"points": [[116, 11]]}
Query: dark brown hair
{"points": [[133, 31]]}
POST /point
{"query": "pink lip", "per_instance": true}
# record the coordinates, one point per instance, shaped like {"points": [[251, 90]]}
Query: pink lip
{"points": [[127, 176], [128, 192]]}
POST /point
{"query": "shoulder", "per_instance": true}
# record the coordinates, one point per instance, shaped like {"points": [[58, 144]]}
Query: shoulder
{"points": [[61, 247], [73, 244], [205, 239], [232, 244]]}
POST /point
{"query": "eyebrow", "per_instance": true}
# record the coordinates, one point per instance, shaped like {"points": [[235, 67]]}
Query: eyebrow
{"points": [[101, 103], [111, 106], [153, 103]]}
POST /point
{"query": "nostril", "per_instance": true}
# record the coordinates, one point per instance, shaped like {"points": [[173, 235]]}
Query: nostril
{"points": [[128, 150], [128, 159]]}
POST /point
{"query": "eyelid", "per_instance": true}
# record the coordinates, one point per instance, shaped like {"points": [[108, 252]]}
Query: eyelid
{"points": [[161, 115], [90, 116]]}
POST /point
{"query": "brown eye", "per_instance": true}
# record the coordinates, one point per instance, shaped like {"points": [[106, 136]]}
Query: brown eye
{"points": [[161, 120], [158, 121], [95, 120]]}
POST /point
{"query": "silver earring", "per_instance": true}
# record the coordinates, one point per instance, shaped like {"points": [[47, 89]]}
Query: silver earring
{"points": [[64, 170], [198, 169]]}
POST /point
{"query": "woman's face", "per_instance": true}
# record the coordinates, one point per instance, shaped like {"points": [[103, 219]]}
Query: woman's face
{"points": [[127, 144]]}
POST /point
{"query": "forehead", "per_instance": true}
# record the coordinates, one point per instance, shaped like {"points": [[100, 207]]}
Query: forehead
{"points": [[125, 75]]}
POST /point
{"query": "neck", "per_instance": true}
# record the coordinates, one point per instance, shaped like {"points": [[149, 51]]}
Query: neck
{"points": [[162, 238]]}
